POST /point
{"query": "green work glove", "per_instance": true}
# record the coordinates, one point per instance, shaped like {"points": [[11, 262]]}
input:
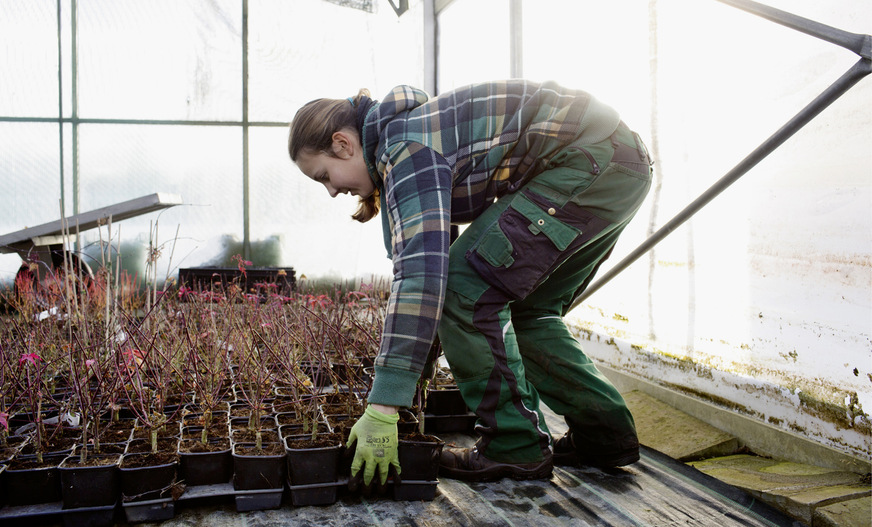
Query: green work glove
{"points": [[376, 436]]}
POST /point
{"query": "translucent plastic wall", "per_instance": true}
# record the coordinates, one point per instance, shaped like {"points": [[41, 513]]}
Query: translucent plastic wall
{"points": [[191, 98], [761, 300]]}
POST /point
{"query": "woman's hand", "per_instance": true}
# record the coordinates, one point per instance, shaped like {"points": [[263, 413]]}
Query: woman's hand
{"points": [[376, 436]]}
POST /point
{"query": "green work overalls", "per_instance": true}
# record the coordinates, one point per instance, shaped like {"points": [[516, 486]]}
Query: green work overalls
{"points": [[513, 273]]}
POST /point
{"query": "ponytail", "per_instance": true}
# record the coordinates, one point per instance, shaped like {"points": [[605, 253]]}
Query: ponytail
{"points": [[367, 208]]}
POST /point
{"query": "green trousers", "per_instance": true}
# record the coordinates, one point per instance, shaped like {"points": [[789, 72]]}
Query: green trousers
{"points": [[513, 273]]}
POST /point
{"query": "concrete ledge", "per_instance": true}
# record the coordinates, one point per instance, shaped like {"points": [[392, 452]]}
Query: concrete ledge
{"points": [[675, 433], [760, 437], [796, 489], [852, 513]]}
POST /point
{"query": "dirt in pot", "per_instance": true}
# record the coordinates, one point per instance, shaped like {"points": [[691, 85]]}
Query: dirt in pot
{"points": [[144, 446], [218, 419], [197, 447], [269, 449], [54, 444], [322, 441], [93, 461], [250, 436], [168, 430], [115, 436], [214, 431], [30, 464], [149, 460]]}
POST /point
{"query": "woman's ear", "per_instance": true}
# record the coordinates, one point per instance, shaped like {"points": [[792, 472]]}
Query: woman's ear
{"points": [[343, 144]]}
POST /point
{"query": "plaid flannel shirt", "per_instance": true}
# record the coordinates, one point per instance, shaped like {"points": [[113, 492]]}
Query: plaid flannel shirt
{"points": [[445, 160]]}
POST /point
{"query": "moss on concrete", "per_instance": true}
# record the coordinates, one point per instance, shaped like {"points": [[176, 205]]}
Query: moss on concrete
{"points": [[851, 513]]}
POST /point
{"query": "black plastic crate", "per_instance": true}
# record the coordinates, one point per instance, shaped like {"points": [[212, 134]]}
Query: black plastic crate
{"points": [[261, 281]]}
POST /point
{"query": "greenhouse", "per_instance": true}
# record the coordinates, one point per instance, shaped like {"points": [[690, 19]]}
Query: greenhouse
{"points": [[435, 262]]}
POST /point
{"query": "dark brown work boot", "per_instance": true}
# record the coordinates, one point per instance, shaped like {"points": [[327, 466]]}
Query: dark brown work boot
{"points": [[468, 464], [565, 453]]}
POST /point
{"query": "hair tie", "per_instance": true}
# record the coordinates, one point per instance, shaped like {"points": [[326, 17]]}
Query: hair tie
{"points": [[351, 100]]}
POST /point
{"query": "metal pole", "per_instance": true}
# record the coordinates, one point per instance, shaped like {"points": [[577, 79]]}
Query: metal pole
{"points": [[60, 119], [516, 39], [859, 70], [246, 198], [431, 74]]}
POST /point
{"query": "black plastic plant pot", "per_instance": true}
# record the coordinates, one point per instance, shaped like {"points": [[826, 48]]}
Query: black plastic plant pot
{"points": [[258, 471], [358, 374], [295, 431], [207, 467], [62, 443], [267, 422], [408, 423], [419, 457], [118, 431], [309, 466], [445, 400], [216, 432], [146, 477], [26, 483], [105, 449], [443, 424], [196, 419], [89, 485], [319, 373], [341, 422], [288, 421], [13, 446], [343, 396], [243, 436]]}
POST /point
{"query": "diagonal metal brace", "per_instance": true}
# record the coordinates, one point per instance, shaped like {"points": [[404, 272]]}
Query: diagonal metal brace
{"points": [[859, 44]]}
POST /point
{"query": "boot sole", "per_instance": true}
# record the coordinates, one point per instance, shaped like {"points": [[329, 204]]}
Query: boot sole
{"points": [[571, 459], [496, 472]]}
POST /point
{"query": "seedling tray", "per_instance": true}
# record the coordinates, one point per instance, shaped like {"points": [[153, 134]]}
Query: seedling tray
{"points": [[315, 493], [258, 500], [246, 500], [415, 490], [150, 511], [54, 512]]}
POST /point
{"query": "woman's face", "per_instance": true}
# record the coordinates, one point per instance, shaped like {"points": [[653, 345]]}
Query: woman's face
{"points": [[343, 174]]}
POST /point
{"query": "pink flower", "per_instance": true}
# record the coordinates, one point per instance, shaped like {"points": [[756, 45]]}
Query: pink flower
{"points": [[90, 363], [32, 358], [321, 301], [133, 357], [4, 420], [240, 263]]}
